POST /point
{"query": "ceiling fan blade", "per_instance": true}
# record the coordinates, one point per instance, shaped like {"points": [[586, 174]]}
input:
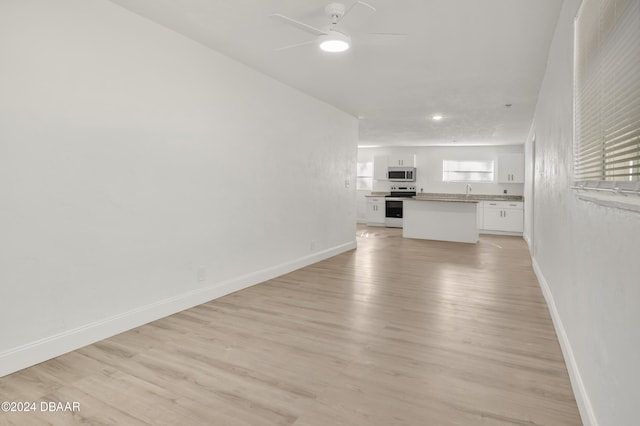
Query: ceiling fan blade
{"points": [[291, 46], [300, 25], [356, 15], [358, 3]]}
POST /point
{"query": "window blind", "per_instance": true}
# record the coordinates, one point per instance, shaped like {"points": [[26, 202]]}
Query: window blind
{"points": [[364, 176], [467, 171], [607, 92]]}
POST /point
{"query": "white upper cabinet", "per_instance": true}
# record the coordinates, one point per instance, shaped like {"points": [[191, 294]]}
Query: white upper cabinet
{"points": [[402, 160], [380, 167], [382, 163], [511, 168]]}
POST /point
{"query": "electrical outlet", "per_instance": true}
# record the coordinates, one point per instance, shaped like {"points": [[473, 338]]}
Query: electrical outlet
{"points": [[347, 183], [312, 246], [202, 273]]}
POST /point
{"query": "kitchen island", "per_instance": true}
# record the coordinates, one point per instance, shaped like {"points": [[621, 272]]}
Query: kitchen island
{"points": [[444, 219]]}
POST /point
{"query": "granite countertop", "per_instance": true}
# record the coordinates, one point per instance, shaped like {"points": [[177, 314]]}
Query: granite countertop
{"points": [[445, 199], [471, 198], [426, 196]]}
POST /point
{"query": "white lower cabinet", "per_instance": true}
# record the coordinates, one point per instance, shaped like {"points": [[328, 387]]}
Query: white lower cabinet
{"points": [[503, 216], [376, 211]]}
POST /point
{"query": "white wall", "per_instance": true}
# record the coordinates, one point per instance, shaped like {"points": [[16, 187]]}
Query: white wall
{"points": [[586, 256], [529, 198], [130, 156]]}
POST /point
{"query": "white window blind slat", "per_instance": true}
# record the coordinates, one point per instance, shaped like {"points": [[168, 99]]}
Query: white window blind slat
{"points": [[623, 139], [607, 92]]}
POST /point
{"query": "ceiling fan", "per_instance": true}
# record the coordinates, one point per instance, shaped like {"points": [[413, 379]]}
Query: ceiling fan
{"points": [[333, 37]]}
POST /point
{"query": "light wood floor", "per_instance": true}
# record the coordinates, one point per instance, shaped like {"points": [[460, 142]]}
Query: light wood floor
{"points": [[397, 332]]}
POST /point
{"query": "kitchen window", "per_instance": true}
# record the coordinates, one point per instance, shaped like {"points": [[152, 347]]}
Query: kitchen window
{"points": [[364, 177], [607, 99], [467, 171]]}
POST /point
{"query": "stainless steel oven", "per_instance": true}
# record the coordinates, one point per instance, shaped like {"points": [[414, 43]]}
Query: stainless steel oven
{"points": [[393, 212], [394, 202]]}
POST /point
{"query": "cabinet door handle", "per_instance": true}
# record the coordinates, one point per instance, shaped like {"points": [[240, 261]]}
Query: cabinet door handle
{"points": [[505, 213]]}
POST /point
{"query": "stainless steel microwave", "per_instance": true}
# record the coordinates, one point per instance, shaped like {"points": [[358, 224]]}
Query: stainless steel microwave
{"points": [[401, 174]]}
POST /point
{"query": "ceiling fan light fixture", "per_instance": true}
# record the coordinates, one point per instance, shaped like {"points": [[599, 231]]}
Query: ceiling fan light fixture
{"points": [[335, 42]]}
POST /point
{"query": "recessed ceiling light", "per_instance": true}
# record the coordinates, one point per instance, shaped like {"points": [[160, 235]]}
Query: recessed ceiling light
{"points": [[437, 117]]}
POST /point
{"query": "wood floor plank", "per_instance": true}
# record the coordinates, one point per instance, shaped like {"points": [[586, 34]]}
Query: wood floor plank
{"points": [[397, 332]]}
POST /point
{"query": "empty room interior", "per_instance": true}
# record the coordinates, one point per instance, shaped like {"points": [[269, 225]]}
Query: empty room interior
{"points": [[276, 212]]}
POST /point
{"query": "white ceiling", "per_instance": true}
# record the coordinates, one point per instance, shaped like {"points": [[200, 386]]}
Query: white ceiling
{"points": [[464, 59]]}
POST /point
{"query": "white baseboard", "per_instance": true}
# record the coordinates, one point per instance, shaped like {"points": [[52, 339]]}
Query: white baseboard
{"points": [[526, 238], [582, 398], [507, 233], [33, 353]]}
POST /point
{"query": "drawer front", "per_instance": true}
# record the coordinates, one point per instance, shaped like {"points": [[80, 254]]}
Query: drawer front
{"points": [[504, 205], [375, 199]]}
